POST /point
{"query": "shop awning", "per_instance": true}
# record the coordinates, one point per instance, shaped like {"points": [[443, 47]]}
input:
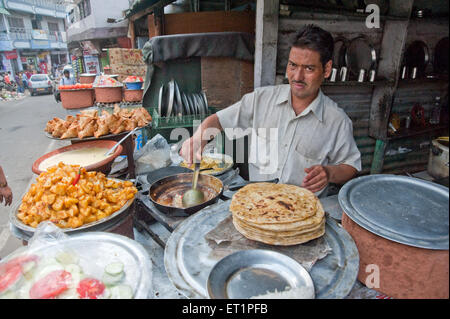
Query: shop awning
{"points": [[2, 8], [141, 5]]}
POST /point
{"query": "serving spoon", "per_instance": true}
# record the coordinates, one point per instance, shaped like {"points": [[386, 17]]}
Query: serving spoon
{"points": [[119, 142], [193, 196]]}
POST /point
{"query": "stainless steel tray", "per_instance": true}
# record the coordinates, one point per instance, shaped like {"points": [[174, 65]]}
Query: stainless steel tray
{"points": [[94, 226], [98, 249], [255, 272], [403, 209], [188, 264]]}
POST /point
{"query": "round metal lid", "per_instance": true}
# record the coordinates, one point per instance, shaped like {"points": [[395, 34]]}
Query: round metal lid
{"points": [[403, 209]]}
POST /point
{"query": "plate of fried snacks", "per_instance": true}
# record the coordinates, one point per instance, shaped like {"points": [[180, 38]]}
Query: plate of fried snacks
{"points": [[72, 198]]}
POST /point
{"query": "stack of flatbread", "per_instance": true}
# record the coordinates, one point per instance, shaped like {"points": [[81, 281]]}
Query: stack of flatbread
{"points": [[277, 214]]}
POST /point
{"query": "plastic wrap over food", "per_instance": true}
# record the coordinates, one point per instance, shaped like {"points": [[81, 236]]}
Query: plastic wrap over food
{"points": [[93, 265]]}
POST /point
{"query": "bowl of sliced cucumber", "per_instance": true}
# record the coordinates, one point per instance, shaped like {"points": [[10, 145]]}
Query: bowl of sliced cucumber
{"points": [[94, 265]]}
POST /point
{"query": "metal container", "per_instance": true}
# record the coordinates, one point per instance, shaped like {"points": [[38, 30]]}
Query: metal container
{"points": [[438, 162], [399, 224]]}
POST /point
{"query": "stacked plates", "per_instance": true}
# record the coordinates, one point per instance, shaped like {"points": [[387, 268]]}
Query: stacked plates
{"points": [[173, 102], [277, 214]]}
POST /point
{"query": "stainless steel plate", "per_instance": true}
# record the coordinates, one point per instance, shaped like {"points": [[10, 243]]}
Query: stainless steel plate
{"points": [[86, 227], [178, 101], [170, 97], [98, 249], [160, 100], [188, 263], [403, 209], [186, 107], [248, 273]]}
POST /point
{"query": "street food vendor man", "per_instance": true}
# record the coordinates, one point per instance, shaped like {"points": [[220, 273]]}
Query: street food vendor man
{"points": [[298, 134]]}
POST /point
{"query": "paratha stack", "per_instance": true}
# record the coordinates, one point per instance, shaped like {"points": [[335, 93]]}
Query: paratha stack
{"points": [[277, 214]]}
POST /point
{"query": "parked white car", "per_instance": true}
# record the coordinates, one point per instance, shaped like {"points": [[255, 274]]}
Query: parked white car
{"points": [[40, 83]]}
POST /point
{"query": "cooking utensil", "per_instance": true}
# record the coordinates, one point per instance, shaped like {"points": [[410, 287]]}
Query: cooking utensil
{"points": [[441, 56], [401, 209], [188, 269], [417, 55], [360, 54], [120, 142], [248, 273], [160, 173], [340, 47], [193, 196], [187, 109], [165, 190]]}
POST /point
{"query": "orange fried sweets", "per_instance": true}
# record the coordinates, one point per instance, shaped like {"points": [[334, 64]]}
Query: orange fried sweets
{"points": [[54, 198]]}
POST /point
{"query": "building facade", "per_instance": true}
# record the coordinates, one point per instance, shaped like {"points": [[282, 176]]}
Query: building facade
{"points": [[32, 35], [89, 33]]}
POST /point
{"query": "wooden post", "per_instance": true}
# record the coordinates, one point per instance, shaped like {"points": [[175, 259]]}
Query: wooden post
{"points": [[266, 39], [132, 33]]}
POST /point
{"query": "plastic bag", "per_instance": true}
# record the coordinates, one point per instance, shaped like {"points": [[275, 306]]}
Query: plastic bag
{"points": [[153, 155], [55, 266]]}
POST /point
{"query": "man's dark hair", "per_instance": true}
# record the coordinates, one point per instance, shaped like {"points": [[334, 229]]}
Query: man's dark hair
{"points": [[317, 39]]}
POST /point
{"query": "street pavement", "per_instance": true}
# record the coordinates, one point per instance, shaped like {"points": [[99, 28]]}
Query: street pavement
{"points": [[22, 141]]}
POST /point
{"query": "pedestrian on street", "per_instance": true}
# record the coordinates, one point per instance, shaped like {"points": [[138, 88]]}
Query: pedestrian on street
{"points": [[24, 80], [67, 79], [5, 191], [18, 80]]}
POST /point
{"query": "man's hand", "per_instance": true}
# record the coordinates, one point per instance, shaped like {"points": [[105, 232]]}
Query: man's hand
{"points": [[316, 179], [5, 192], [191, 150]]}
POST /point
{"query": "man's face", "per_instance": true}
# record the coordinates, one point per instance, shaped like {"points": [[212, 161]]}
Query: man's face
{"points": [[305, 72]]}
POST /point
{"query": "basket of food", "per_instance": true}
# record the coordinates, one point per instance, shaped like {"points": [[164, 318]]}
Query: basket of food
{"points": [[107, 89], [133, 95], [77, 96]]}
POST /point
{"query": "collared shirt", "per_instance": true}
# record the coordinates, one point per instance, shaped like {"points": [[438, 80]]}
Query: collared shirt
{"points": [[283, 144], [67, 81]]}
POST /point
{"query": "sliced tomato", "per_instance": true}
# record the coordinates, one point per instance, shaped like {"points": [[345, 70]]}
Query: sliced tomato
{"points": [[51, 285], [10, 277], [18, 261], [90, 288]]}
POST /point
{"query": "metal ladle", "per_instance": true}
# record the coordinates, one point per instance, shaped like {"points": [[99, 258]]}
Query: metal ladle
{"points": [[193, 196]]}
